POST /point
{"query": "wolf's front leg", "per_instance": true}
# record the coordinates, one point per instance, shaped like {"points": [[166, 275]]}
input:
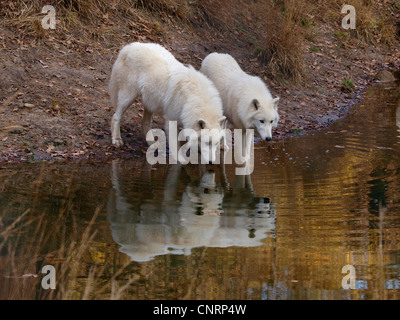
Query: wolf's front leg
{"points": [[146, 123]]}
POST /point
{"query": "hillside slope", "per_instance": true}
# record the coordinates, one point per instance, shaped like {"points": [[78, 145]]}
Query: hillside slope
{"points": [[53, 83]]}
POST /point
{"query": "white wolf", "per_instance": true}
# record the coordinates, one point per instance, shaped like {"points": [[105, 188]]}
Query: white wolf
{"points": [[168, 88], [247, 102]]}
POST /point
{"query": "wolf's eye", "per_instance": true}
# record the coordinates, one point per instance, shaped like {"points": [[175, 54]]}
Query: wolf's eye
{"points": [[272, 121], [262, 121]]}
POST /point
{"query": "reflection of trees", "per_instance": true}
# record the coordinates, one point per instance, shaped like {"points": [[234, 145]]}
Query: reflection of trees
{"points": [[398, 118], [339, 205]]}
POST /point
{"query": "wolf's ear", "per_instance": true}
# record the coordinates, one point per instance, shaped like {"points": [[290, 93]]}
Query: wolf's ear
{"points": [[201, 124], [255, 103], [275, 103], [222, 122]]}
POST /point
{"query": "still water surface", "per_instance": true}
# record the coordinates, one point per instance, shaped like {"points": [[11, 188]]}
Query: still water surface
{"points": [[314, 204]]}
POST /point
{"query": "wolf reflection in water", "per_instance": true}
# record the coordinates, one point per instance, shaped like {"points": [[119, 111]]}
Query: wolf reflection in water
{"points": [[206, 213]]}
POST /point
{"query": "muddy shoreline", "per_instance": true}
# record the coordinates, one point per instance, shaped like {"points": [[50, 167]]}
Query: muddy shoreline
{"points": [[135, 146]]}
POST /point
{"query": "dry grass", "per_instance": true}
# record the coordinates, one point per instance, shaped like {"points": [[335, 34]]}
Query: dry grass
{"points": [[24, 258], [176, 8], [365, 22], [387, 30], [372, 23], [217, 14], [372, 19], [75, 18], [279, 40], [33, 240], [281, 50], [201, 12]]}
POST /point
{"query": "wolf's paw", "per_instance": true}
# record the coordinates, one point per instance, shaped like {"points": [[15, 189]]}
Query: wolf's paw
{"points": [[226, 147], [149, 143], [246, 161], [117, 142]]}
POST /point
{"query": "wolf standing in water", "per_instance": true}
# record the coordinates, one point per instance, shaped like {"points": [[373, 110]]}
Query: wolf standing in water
{"points": [[168, 88], [247, 102]]}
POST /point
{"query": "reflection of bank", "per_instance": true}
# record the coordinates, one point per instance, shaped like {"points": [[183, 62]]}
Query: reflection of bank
{"points": [[398, 118], [203, 214]]}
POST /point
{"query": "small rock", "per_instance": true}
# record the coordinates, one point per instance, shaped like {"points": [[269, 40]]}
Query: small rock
{"points": [[385, 76], [14, 129], [29, 105], [40, 155], [59, 142]]}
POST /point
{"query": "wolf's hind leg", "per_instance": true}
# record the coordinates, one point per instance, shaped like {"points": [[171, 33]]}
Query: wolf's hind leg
{"points": [[124, 100]]}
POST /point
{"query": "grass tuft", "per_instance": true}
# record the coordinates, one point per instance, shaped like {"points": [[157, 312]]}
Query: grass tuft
{"points": [[282, 48], [278, 29]]}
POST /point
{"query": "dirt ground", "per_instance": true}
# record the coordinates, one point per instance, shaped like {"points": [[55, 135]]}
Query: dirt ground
{"points": [[55, 103]]}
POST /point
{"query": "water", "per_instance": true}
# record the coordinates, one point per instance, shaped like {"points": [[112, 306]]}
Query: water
{"points": [[314, 204]]}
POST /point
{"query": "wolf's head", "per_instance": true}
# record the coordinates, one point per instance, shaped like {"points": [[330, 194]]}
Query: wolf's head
{"points": [[211, 134], [264, 117]]}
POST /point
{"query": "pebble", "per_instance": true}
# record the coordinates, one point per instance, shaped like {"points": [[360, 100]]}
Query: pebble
{"points": [[29, 105], [14, 129], [386, 76]]}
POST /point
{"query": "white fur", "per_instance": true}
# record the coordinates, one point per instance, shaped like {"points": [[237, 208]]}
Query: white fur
{"points": [[168, 88], [246, 99]]}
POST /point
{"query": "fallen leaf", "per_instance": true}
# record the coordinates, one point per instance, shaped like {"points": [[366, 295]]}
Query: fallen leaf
{"points": [[29, 275]]}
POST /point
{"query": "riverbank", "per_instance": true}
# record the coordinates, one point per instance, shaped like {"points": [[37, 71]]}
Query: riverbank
{"points": [[53, 84]]}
